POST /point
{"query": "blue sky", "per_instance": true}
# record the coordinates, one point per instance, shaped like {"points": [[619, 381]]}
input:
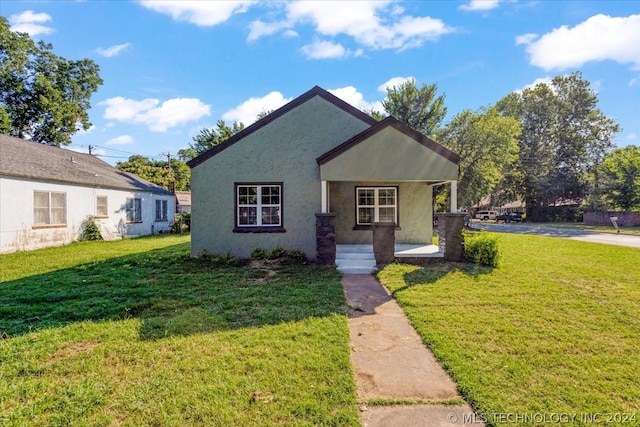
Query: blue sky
{"points": [[171, 68]]}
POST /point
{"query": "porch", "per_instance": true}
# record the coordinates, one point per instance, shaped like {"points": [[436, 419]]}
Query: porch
{"points": [[359, 259]]}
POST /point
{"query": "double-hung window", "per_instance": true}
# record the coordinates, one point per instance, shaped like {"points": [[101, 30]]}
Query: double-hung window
{"points": [[134, 210], [49, 208], [161, 210], [259, 207], [376, 204], [102, 210]]}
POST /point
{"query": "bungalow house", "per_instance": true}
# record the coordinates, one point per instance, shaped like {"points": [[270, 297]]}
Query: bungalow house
{"points": [[316, 155], [46, 193]]}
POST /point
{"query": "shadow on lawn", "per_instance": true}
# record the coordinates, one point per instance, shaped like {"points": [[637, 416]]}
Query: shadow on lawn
{"points": [[430, 274], [171, 293]]}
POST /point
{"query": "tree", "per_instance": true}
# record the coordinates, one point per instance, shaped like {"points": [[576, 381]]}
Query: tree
{"points": [[209, 138], [45, 96], [419, 108], [487, 144], [564, 137], [176, 178], [620, 178]]}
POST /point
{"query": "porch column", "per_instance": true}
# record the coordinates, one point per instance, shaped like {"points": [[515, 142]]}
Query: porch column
{"points": [[326, 238], [323, 196], [454, 196], [384, 242]]}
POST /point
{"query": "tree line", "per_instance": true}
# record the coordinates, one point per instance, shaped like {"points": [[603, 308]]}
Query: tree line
{"points": [[547, 145]]}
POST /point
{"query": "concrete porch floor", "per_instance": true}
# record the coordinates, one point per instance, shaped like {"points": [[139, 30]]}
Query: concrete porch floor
{"points": [[359, 259]]}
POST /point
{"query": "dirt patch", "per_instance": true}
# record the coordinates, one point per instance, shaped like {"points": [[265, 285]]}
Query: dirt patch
{"points": [[73, 350], [265, 266]]}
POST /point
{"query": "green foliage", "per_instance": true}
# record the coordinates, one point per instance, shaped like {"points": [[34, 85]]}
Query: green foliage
{"points": [[181, 223], [46, 97], [619, 176], [176, 178], [276, 253], [481, 248], [419, 108], [259, 253], [90, 230], [564, 137], [488, 145], [5, 121], [209, 138]]}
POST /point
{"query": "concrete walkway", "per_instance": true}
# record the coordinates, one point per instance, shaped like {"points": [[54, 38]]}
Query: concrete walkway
{"points": [[391, 362]]}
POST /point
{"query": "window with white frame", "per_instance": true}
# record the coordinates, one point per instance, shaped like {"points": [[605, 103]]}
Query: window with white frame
{"points": [[161, 210], [134, 210], [258, 205], [102, 209], [376, 204], [49, 208]]}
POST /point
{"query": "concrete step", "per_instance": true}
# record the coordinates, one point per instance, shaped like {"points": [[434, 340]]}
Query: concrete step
{"points": [[356, 266], [355, 255]]}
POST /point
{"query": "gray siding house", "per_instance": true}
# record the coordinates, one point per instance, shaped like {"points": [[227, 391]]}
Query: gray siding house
{"points": [[264, 186]]}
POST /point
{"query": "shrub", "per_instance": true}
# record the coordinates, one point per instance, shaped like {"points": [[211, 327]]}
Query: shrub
{"points": [[181, 223], [258, 253], [481, 248], [90, 230], [276, 253]]}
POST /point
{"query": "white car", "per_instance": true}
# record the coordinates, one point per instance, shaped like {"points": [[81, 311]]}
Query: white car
{"points": [[486, 215]]}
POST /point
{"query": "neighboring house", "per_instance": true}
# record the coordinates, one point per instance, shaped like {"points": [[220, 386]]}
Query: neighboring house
{"points": [[317, 154], [183, 201], [46, 193]]}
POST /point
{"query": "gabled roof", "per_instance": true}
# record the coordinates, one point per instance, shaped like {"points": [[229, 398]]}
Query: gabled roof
{"points": [[183, 197], [31, 160], [399, 126], [315, 91]]}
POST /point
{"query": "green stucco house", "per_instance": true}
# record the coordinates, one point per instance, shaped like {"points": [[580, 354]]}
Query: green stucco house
{"points": [[316, 155]]}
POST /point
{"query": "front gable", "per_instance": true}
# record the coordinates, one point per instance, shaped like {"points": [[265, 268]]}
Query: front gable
{"points": [[389, 151]]}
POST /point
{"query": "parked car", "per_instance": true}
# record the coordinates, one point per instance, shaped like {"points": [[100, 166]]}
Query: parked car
{"points": [[486, 215], [508, 217]]}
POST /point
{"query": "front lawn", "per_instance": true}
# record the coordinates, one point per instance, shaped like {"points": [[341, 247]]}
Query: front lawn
{"points": [[136, 332], [555, 329]]}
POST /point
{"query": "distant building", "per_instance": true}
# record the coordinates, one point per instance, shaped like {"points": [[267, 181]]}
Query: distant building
{"points": [[183, 201], [46, 194]]}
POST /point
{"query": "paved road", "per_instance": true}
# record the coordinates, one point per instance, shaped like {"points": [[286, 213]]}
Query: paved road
{"points": [[586, 236]]}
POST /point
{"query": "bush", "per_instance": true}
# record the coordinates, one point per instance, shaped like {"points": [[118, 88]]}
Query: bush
{"points": [[276, 253], [181, 223], [290, 256], [481, 248], [258, 253], [90, 230]]}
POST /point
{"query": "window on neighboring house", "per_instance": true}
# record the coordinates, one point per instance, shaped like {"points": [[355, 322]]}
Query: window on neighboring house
{"points": [[259, 207], [102, 209], [376, 204], [161, 210], [49, 208], [134, 210]]}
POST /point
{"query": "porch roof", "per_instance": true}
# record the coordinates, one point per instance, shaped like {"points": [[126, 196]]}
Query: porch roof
{"points": [[389, 151]]}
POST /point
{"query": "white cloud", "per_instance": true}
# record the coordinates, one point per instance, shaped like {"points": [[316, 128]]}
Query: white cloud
{"points": [[323, 49], [202, 13], [156, 116], [480, 5], [113, 50], [632, 136], [351, 95], [30, 22], [371, 24], [526, 38], [536, 82], [248, 111], [393, 81], [599, 38], [634, 81], [121, 140]]}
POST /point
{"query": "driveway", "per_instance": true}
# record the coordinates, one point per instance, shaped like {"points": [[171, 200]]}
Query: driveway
{"points": [[631, 241]]}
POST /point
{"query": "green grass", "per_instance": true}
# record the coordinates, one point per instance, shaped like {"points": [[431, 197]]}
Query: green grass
{"points": [[137, 333], [554, 329]]}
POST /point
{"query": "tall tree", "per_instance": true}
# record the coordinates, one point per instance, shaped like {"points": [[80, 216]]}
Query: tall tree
{"points": [[45, 96], [488, 145], [209, 138], [419, 107], [620, 178], [564, 137], [175, 178]]}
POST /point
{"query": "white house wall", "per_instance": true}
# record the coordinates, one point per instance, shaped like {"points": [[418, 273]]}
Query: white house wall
{"points": [[17, 217]]}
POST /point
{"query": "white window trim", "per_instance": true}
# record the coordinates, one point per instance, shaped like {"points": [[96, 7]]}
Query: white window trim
{"points": [[376, 206], [106, 207], [49, 207], [259, 205], [134, 210]]}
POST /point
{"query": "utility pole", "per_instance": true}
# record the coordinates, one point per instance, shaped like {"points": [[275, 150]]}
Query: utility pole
{"points": [[172, 183], [91, 147]]}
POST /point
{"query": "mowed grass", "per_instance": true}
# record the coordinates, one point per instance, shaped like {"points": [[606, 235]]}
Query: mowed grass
{"points": [[137, 333], [555, 329]]}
